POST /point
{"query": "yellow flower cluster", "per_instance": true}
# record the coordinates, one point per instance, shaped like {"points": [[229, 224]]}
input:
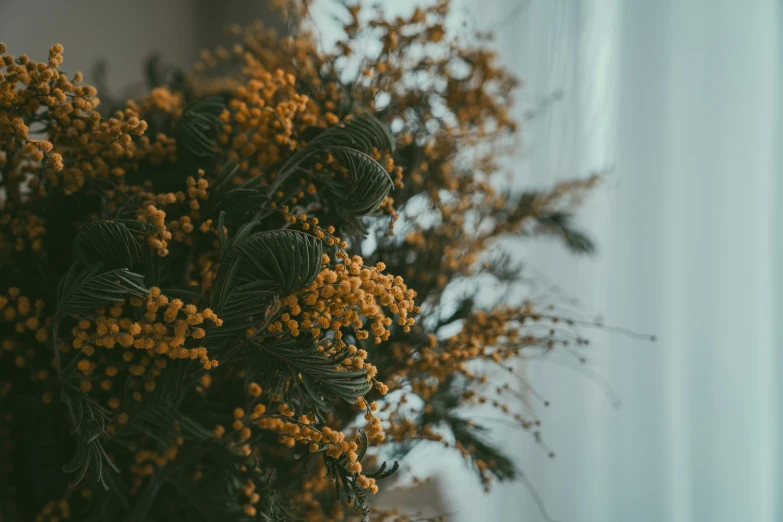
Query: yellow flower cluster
{"points": [[292, 430], [161, 99], [181, 228], [252, 498], [165, 328], [25, 231], [259, 122], [147, 462], [82, 145], [54, 511], [28, 319], [347, 295], [158, 240]]}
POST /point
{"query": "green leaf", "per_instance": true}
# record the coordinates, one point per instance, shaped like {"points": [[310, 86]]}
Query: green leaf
{"points": [[217, 496], [286, 260], [108, 242], [444, 405], [352, 144], [559, 224], [199, 126], [468, 434], [245, 307], [237, 200], [258, 269], [159, 422], [91, 422], [240, 202], [295, 368], [247, 297], [192, 294], [289, 258], [366, 185], [346, 484], [84, 289], [137, 227], [363, 133], [225, 175]]}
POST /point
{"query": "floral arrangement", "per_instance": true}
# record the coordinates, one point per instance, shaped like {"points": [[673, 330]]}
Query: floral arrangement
{"points": [[250, 293]]}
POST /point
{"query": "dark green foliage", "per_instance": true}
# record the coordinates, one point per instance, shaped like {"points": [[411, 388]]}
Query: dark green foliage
{"points": [[287, 259], [470, 435], [108, 242], [347, 488], [362, 133], [444, 413], [293, 368], [367, 183], [163, 421], [559, 224], [198, 127], [214, 496], [90, 422], [554, 223], [257, 269], [238, 204], [85, 288], [259, 265]]}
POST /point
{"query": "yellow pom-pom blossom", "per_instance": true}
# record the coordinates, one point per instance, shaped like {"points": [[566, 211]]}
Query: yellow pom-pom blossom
{"points": [[164, 328]]}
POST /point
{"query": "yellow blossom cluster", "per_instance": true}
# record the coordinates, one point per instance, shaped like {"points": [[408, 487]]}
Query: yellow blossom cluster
{"points": [[259, 122], [165, 328], [163, 100], [147, 462], [82, 145], [25, 231], [349, 294], [252, 498], [158, 240], [179, 229], [54, 511], [28, 318]]}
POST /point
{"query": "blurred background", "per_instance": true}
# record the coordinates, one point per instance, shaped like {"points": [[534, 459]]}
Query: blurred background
{"points": [[679, 101]]}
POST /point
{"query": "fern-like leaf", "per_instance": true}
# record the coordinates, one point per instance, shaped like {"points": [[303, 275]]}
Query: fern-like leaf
{"points": [[346, 483], [107, 242], [163, 422], [301, 374], [363, 132], [91, 422], [289, 258], [198, 127], [85, 289], [352, 144], [255, 271], [559, 224], [366, 185], [283, 260]]}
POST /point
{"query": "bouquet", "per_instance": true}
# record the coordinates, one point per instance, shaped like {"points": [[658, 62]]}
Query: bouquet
{"points": [[248, 294]]}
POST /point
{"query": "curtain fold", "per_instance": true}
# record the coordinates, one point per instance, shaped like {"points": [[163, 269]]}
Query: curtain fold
{"points": [[681, 100]]}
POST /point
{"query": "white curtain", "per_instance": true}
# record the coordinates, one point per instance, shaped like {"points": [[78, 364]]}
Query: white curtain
{"points": [[680, 99]]}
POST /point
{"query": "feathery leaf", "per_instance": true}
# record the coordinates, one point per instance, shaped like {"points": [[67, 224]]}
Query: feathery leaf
{"points": [[107, 242], [352, 144], [295, 369], [198, 127], [84, 289]]}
